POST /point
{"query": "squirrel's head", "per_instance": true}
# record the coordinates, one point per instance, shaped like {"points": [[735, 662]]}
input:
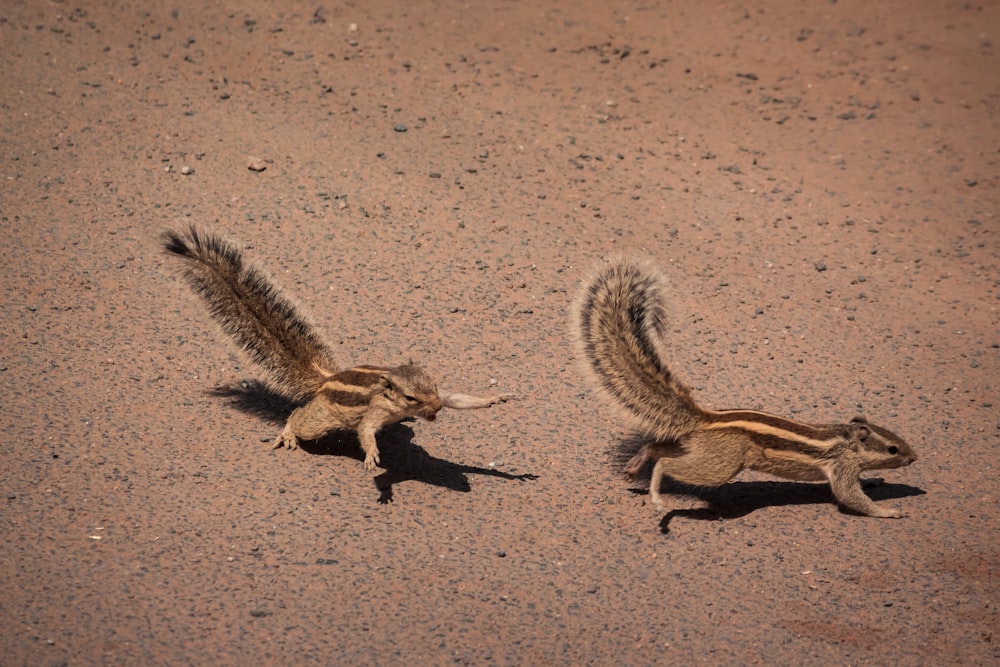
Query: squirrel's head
{"points": [[879, 447], [411, 391]]}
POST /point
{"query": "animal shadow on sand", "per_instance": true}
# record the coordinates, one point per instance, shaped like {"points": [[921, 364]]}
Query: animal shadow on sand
{"points": [[402, 459], [736, 499]]}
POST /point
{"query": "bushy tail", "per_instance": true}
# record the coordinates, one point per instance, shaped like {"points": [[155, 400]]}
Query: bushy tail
{"points": [[620, 327], [254, 313]]}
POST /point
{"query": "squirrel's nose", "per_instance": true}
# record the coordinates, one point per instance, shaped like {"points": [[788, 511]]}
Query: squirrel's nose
{"points": [[430, 412]]}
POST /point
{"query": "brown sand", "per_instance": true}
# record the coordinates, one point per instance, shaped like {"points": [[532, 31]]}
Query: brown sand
{"points": [[819, 180]]}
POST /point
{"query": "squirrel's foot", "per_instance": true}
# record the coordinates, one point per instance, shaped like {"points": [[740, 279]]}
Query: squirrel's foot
{"points": [[871, 509], [635, 464], [887, 513], [286, 439], [656, 500], [371, 460]]}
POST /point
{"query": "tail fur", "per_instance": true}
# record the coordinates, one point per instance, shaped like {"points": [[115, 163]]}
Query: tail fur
{"points": [[252, 311], [619, 324]]}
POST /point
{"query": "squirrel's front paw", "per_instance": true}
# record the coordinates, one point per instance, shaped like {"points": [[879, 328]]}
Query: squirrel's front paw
{"points": [[372, 460], [286, 439]]}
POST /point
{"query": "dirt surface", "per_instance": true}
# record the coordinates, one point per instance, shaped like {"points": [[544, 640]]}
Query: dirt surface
{"points": [[818, 179]]}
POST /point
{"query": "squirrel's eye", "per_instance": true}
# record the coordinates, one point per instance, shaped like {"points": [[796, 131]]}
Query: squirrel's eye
{"points": [[409, 399], [893, 449]]}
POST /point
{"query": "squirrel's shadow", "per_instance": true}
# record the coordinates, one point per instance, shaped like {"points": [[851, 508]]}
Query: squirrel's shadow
{"points": [[402, 459], [737, 499]]}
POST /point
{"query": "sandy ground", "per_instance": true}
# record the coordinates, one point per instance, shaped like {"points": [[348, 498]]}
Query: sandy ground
{"points": [[818, 179]]}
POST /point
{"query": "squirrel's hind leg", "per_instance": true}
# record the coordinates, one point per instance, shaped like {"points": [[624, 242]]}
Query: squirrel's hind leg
{"points": [[700, 458], [307, 422]]}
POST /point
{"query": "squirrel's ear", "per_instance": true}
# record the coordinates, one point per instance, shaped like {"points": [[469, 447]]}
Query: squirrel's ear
{"points": [[860, 431], [385, 383]]}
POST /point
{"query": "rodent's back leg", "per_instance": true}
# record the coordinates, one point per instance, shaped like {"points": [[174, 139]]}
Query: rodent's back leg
{"points": [[701, 459], [651, 451], [635, 463], [308, 422]]}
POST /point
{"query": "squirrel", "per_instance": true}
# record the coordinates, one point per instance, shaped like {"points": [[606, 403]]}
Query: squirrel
{"points": [[620, 330], [297, 363]]}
